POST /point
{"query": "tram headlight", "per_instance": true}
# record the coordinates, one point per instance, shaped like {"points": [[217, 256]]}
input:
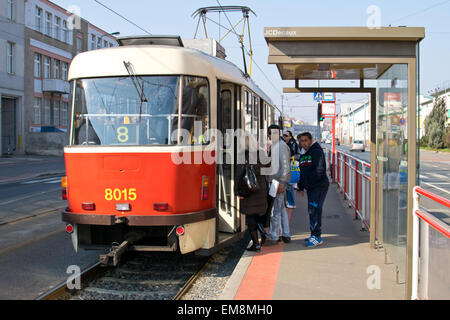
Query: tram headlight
{"points": [[123, 207], [160, 206], [64, 188], [205, 188], [88, 206]]}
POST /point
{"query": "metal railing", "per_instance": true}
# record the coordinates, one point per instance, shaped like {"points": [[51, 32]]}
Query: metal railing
{"points": [[431, 254], [352, 175]]}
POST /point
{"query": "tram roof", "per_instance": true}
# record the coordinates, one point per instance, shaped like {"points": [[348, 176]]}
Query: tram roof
{"points": [[158, 60]]}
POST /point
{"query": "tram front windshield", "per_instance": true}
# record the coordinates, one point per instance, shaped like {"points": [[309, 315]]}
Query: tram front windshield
{"points": [[137, 110]]}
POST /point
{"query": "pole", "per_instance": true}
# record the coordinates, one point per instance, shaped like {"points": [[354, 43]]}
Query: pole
{"points": [[334, 147]]}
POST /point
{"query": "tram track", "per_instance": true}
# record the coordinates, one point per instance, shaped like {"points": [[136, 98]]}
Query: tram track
{"points": [[144, 276]]}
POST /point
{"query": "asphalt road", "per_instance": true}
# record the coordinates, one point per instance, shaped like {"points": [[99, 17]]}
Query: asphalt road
{"points": [[35, 251], [434, 177], [30, 197]]}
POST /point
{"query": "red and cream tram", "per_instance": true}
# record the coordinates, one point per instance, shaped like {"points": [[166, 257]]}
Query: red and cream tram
{"points": [[125, 187]]}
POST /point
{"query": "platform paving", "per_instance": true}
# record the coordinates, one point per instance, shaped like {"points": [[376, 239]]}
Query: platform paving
{"points": [[341, 268]]}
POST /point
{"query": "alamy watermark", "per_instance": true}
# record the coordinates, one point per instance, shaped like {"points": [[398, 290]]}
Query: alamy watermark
{"points": [[374, 280], [221, 147], [74, 21], [74, 280], [374, 19]]}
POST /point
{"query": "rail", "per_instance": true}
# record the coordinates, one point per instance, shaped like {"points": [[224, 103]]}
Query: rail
{"points": [[430, 276], [352, 176]]}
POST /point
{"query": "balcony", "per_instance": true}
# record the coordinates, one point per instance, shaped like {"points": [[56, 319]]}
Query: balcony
{"points": [[55, 86]]}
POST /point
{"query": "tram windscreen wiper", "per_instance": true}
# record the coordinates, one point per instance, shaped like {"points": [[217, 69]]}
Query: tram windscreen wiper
{"points": [[137, 84]]}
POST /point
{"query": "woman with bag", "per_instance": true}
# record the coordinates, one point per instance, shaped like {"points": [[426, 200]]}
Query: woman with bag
{"points": [[251, 188]]}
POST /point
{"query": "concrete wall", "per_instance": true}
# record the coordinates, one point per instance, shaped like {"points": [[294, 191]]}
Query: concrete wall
{"points": [[48, 143]]}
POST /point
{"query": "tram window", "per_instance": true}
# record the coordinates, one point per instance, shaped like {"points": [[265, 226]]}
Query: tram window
{"points": [[120, 111], [195, 110], [255, 115], [248, 113]]}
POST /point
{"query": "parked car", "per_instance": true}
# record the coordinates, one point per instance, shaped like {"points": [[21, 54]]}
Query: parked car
{"points": [[358, 145]]}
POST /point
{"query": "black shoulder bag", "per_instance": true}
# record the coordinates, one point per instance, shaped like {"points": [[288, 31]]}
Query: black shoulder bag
{"points": [[248, 183]]}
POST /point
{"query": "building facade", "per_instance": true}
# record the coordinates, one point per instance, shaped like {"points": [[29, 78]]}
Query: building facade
{"points": [[12, 72], [53, 37], [353, 123], [40, 40]]}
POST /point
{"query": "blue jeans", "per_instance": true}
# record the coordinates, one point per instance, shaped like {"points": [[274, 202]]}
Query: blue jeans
{"points": [[291, 195], [316, 198], [279, 218]]}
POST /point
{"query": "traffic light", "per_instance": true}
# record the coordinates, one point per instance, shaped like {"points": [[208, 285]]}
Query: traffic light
{"points": [[319, 112]]}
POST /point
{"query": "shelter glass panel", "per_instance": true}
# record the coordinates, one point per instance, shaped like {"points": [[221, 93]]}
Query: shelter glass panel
{"points": [[392, 162]]}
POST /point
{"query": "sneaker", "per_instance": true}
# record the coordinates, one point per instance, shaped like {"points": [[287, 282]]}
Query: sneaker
{"points": [[290, 207], [307, 239], [314, 242]]}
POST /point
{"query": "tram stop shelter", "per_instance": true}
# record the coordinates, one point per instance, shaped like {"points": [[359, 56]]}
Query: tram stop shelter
{"points": [[384, 62]]}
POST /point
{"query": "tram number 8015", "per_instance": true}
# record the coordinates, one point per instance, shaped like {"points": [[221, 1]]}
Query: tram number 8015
{"points": [[118, 194]]}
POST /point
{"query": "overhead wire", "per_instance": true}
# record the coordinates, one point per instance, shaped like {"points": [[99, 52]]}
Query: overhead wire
{"points": [[134, 24], [246, 50], [421, 11]]}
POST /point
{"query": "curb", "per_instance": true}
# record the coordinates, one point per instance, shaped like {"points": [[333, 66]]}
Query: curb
{"points": [[232, 286]]}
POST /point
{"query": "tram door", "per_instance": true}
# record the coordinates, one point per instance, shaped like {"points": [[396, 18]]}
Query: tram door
{"points": [[226, 198]]}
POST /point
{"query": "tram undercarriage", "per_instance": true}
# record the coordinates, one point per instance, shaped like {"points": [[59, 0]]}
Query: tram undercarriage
{"points": [[119, 236]]}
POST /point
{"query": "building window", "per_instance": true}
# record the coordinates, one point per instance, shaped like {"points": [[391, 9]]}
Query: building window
{"points": [[47, 68], [37, 110], [64, 119], [99, 43], [93, 42], [105, 44], [79, 44], [48, 24], [10, 58], [47, 108], [38, 19], [65, 70], [58, 28], [56, 106], [65, 31], [11, 10], [56, 69], [37, 65]]}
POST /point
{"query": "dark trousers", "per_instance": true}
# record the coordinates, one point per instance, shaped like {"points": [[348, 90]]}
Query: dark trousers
{"points": [[316, 198], [252, 221]]}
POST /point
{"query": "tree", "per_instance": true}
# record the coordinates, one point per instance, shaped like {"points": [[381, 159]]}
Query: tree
{"points": [[435, 125]]}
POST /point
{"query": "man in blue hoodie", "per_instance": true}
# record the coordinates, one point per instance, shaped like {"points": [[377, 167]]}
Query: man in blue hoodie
{"points": [[314, 179]]}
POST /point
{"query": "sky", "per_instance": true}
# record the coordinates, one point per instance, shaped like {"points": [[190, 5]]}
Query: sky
{"points": [[174, 17]]}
